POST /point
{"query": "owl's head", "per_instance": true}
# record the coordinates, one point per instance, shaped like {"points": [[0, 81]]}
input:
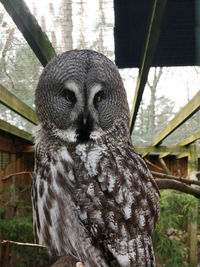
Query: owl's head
{"points": [[80, 96]]}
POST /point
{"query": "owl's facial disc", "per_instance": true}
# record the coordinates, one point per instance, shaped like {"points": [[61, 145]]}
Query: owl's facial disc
{"points": [[80, 96]]}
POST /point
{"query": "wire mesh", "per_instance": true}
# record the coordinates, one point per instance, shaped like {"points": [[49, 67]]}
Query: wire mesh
{"points": [[166, 92]]}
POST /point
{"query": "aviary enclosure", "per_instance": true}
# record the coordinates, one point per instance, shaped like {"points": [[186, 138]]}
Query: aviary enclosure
{"points": [[156, 45]]}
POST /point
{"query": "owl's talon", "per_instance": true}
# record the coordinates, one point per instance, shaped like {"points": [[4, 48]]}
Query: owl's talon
{"points": [[80, 264]]}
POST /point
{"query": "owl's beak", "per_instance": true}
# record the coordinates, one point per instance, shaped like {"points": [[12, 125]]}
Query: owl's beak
{"points": [[85, 127]]}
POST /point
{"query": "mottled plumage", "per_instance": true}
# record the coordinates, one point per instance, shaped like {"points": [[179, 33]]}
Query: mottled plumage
{"points": [[93, 196]]}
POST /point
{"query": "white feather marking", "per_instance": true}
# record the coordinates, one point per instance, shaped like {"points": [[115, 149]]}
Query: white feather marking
{"points": [[71, 175], [123, 259], [97, 133], [67, 135], [141, 221], [97, 215], [119, 196], [101, 178], [90, 190], [140, 244], [64, 154], [93, 91], [123, 231], [131, 249], [71, 85], [83, 215], [111, 183], [112, 226], [53, 230], [127, 212], [91, 159], [81, 151]]}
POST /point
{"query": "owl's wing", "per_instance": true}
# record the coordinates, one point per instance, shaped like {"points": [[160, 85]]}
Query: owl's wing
{"points": [[120, 208]]}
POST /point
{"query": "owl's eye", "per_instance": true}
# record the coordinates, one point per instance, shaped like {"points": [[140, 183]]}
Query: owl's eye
{"points": [[69, 96], [98, 98]]}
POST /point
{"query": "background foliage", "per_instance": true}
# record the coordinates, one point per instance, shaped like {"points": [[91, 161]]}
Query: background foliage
{"points": [[16, 224], [170, 236]]}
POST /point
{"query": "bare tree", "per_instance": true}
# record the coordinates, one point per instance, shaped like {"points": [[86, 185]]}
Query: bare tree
{"points": [[53, 32], [102, 26], [43, 24], [66, 25], [153, 86], [6, 48], [82, 28]]}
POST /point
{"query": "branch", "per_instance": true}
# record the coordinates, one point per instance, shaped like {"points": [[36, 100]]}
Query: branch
{"points": [[15, 174], [183, 180], [6, 48], [175, 185], [22, 244], [157, 77], [65, 261], [167, 171], [153, 165]]}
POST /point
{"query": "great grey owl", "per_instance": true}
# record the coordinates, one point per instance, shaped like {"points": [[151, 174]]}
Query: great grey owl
{"points": [[93, 196]]}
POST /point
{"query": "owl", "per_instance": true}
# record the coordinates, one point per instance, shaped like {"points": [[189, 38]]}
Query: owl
{"points": [[93, 196]]}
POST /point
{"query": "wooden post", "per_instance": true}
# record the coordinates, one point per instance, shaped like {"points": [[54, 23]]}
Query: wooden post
{"points": [[192, 220]]}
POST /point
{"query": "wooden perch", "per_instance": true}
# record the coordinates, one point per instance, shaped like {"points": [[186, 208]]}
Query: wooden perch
{"points": [[183, 180], [164, 165], [175, 185], [15, 174], [22, 244], [153, 165], [65, 261]]}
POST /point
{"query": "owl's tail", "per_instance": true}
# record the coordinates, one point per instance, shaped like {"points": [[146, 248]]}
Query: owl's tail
{"points": [[137, 252]]}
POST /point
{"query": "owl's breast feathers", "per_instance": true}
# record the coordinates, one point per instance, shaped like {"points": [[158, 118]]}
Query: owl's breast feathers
{"points": [[100, 193]]}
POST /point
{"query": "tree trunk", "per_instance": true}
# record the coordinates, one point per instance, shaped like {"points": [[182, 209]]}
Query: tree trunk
{"points": [[66, 25], [102, 26], [82, 45], [53, 32], [153, 87]]}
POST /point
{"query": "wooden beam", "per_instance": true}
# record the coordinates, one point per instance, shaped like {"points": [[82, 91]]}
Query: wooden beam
{"points": [[152, 38], [12, 143], [164, 165], [160, 149], [145, 154], [190, 139], [185, 113], [30, 29], [15, 104], [29, 149], [182, 155], [8, 128], [193, 222], [163, 155]]}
